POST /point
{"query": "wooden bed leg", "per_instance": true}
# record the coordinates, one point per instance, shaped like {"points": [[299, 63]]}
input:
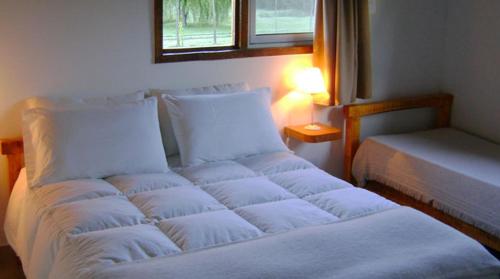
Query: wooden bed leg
{"points": [[353, 126]]}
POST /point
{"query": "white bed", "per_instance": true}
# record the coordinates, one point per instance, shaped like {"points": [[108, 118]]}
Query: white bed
{"points": [[457, 172], [271, 215]]}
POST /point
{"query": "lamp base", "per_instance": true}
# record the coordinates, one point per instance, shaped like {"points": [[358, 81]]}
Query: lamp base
{"points": [[312, 127]]}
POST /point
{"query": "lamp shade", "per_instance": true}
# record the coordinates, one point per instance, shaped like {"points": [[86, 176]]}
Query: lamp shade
{"points": [[310, 81]]}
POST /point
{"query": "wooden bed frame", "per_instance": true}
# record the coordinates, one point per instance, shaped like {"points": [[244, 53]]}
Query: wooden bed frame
{"points": [[442, 103], [14, 150]]}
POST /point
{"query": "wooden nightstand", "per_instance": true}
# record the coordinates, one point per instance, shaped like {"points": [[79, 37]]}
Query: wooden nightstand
{"points": [[327, 133]]}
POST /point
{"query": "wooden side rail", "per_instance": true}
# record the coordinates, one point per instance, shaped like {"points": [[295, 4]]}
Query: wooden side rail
{"points": [[353, 113], [14, 150]]}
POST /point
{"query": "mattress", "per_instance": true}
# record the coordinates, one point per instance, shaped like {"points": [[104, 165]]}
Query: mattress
{"points": [[457, 172], [271, 215]]}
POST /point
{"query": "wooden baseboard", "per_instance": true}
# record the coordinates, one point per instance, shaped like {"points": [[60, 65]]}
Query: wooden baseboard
{"points": [[483, 237]]}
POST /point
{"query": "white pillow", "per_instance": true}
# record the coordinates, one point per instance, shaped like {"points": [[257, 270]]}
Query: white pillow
{"points": [[224, 126], [167, 132], [93, 142], [75, 102]]}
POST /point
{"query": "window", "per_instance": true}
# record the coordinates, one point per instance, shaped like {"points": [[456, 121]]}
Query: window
{"points": [[221, 29]]}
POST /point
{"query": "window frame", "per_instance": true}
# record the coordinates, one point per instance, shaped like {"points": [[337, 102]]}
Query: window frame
{"points": [[241, 48]]}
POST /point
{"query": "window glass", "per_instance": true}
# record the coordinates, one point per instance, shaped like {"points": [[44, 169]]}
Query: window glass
{"points": [[198, 23], [284, 16]]}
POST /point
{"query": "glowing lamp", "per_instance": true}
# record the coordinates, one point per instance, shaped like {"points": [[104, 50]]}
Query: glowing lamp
{"points": [[310, 81]]}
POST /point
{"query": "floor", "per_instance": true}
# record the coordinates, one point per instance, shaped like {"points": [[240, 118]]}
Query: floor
{"points": [[10, 268]]}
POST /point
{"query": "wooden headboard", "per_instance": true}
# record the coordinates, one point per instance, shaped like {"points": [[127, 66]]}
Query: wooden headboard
{"points": [[13, 149], [441, 102]]}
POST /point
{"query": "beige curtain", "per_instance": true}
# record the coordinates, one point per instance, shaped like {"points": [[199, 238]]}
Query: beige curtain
{"points": [[342, 49]]}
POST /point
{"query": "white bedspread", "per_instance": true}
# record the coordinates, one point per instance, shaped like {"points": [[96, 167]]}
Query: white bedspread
{"points": [[273, 215], [458, 172]]}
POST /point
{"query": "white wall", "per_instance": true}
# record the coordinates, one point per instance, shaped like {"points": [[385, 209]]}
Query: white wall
{"points": [[407, 59], [94, 47], [472, 65]]}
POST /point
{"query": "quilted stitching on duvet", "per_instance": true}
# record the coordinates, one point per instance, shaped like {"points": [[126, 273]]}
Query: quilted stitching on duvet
{"points": [[137, 217]]}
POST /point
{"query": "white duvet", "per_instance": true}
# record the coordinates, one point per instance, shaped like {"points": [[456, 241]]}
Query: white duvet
{"points": [[268, 216]]}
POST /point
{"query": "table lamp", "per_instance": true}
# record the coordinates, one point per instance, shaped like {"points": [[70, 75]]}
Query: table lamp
{"points": [[310, 81]]}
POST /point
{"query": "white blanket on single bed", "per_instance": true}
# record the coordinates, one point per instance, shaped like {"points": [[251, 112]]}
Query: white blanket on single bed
{"points": [[272, 215], [458, 172]]}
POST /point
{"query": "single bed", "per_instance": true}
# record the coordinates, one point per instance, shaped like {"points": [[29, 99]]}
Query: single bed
{"points": [[449, 170]]}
